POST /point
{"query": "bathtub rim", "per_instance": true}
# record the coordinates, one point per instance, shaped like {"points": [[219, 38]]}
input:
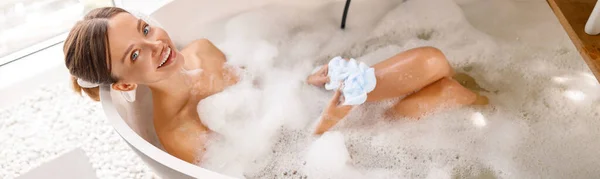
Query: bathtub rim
{"points": [[151, 151]]}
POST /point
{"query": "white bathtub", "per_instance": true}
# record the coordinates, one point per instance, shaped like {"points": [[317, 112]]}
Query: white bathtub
{"points": [[133, 121]]}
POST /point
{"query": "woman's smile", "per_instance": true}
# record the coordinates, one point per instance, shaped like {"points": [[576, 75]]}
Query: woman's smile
{"points": [[167, 57]]}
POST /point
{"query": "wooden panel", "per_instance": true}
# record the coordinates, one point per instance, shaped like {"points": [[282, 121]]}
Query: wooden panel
{"points": [[573, 15]]}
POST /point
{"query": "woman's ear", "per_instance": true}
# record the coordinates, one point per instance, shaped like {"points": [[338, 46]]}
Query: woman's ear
{"points": [[124, 86], [127, 90]]}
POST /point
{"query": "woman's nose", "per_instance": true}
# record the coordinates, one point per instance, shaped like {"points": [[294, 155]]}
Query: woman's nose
{"points": [[156, 46]]}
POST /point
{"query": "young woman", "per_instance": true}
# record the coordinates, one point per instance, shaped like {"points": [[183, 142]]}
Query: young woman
{"points": [[112, 47]]}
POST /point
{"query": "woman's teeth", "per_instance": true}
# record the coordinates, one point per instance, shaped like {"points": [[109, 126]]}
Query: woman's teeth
{"points": [[166, 57]]}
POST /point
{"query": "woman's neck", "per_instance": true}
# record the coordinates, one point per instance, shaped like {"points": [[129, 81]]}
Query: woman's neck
{"points": [[173, 92]]}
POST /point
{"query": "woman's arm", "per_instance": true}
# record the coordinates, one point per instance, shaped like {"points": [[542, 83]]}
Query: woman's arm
{"points": [[184, 139], [333, 113], [325, 123]]}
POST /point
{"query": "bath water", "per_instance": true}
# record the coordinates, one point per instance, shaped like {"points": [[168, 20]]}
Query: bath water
{"points": [[542, 121]]}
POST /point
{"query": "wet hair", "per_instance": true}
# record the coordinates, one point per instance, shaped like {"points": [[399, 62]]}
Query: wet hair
{"points": [[86, 50]]}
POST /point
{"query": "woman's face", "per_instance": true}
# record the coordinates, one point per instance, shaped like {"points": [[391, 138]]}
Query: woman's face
{"points": [[140, 53]]}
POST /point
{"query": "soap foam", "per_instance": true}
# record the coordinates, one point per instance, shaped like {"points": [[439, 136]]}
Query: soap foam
{"points": [[535, 127]]}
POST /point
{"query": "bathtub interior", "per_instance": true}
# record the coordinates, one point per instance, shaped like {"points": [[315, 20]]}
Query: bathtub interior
{"points": [[469, 138], [186, 20], [174, 18], [133, 120]]}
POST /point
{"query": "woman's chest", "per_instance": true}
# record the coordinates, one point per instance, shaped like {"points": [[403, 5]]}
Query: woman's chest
{"points": [[208, 76], [211, 82]]}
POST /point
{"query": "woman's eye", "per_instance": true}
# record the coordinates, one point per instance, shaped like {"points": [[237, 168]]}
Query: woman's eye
{"points": [[135, 54], [146, 30]]}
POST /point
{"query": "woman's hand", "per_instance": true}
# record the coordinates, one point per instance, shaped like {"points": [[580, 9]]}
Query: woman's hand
{"points": [[335, 108], [319, 78], [334, 112]]}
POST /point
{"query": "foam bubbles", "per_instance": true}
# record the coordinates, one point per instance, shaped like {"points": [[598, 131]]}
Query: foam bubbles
{"points": [[327, 156], [478, 119], [560, 79], [575, 95], [439, 173], [528, 131]]}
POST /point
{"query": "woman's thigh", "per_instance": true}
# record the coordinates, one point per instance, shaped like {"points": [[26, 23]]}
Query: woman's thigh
{"points": [[409, 71]]}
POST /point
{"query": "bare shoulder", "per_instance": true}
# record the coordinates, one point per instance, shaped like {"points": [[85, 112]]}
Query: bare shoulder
{"points": [[204, 47], [184, 138]]}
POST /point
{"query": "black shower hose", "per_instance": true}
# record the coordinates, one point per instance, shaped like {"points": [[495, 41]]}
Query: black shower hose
{"points": [[345, 14]]}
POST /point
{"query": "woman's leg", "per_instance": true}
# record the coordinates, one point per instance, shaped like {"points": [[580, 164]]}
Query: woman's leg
{"points": [[444, 93], [401, 74], [425, 69], [408, 72]]}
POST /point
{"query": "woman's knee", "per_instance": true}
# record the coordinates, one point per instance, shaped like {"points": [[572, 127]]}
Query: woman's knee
{"points": [[435, 62]]}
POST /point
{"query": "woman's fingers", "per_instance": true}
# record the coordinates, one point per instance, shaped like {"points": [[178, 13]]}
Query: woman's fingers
{"points": [[324, 70], [345, 108], [324, 79], [336, 98], [341, 106]]}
